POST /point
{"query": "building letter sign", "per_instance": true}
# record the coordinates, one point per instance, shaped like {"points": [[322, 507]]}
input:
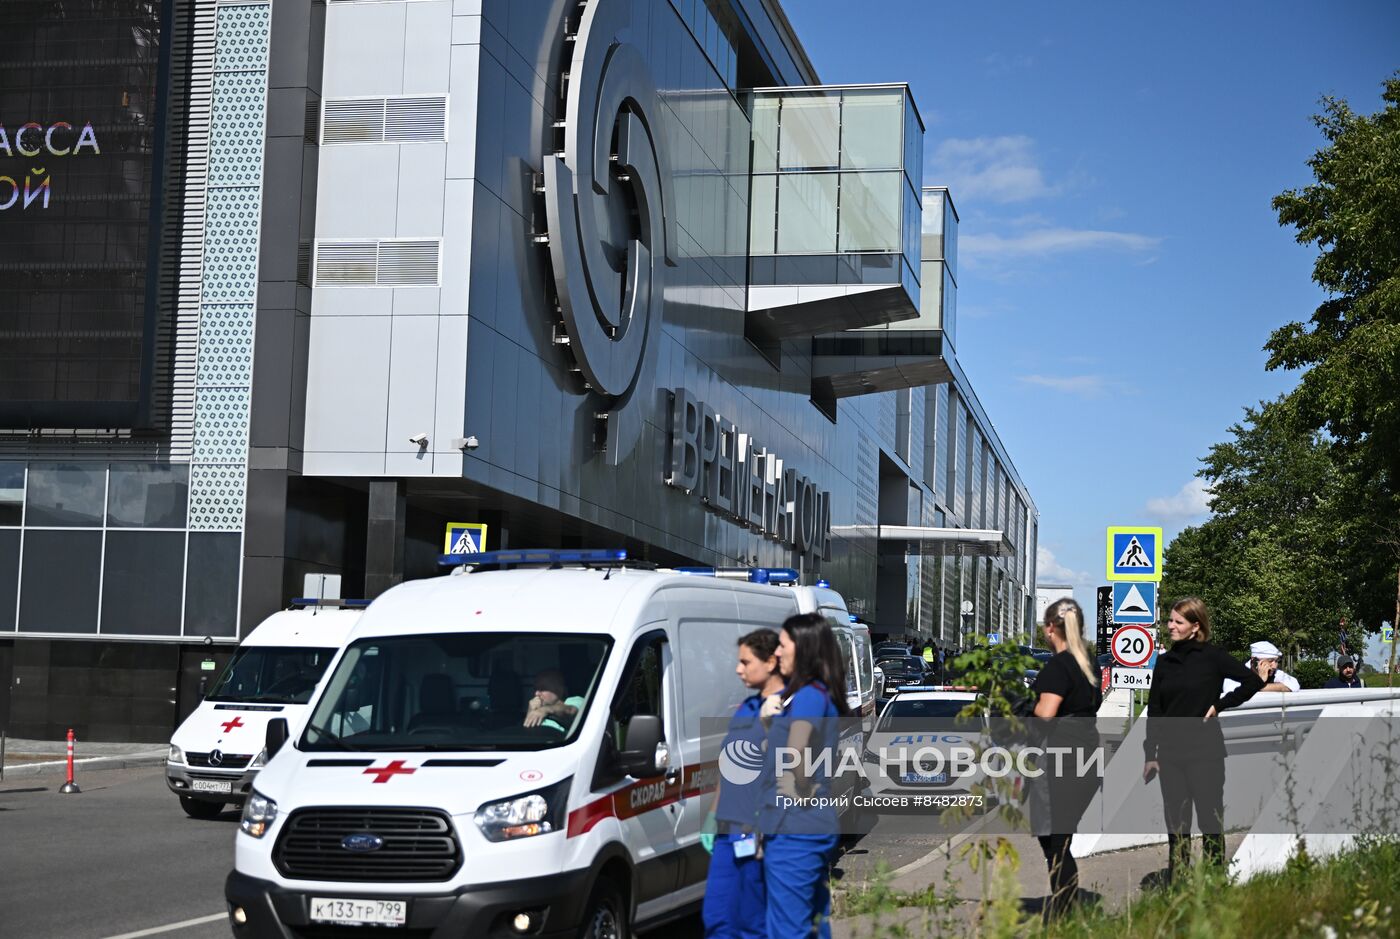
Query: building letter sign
{"points": [[743, 482]]}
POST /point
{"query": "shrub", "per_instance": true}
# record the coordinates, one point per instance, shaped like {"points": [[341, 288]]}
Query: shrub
{"points": [[1313, 673]]}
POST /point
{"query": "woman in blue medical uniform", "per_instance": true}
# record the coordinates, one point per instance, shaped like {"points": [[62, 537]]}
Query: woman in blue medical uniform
{"points": [[796, 817], [734, 894]]}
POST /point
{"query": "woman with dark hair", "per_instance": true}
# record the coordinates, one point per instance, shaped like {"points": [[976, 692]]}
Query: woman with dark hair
{"points": [[735, 897], [798, 822], [1067, 702], [1184, 742]]}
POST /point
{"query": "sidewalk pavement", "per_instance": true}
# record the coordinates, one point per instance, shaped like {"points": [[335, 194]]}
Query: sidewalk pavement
{"points": [[30, 758], [1116, 878]]}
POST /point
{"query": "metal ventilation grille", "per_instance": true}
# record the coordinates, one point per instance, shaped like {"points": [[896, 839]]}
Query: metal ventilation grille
{"points": [[345, 263], [353, 120], [397, 262], [408, 263], [413, 120], [421, 119]]}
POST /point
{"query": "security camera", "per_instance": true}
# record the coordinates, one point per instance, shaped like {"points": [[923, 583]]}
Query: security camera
{"points": [[420, 439], [466, 443]]}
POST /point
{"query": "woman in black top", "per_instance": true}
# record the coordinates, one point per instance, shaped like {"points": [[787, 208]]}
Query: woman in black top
{"points": [[1067, 703], [1184, 743]]}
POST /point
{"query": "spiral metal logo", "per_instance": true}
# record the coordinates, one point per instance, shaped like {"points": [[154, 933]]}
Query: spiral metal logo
{"points": [[740, 762], [608, 202]]}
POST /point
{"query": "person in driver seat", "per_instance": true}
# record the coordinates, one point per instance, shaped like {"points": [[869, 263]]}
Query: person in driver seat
{"points": [[552, 706]]}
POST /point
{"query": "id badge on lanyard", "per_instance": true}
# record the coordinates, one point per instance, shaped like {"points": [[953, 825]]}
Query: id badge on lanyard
{"points": [[746, 845]]}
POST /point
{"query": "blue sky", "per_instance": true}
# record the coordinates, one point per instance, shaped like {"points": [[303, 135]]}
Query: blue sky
{"points": [[1121, 267]]}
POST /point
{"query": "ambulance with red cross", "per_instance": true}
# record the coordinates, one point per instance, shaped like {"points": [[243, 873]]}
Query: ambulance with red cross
{"points": [[506, 751], [275, 673]]}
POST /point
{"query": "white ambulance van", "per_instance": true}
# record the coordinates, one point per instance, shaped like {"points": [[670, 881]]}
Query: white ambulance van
{"points": [[218, 749], [438, 811]]}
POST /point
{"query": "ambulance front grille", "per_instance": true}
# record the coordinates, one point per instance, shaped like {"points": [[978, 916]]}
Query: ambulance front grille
{"points": [[419, 845]]}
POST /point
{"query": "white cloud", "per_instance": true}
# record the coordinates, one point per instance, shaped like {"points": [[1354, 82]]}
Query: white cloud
{"points": [[1047, 242], [1089, 386], [1191, 501], [1047, 568], [994, 169]]}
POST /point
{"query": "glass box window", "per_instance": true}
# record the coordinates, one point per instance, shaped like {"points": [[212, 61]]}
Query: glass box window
{"points": [[809, 136], [66, 495], [147, 495], [807, 213], [142, 583], [871, 130], [60, 580], [11, 493], [870, 211]]}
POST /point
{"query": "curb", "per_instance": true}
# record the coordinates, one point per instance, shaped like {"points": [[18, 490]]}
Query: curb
{"points": [[125, 761]]}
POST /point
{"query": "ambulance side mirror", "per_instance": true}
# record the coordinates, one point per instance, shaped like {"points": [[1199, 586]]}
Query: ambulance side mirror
{"points": [[645, 743], [277, 734]]}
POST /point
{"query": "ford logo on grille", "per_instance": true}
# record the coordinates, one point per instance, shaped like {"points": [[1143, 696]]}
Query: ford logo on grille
{"points": [[362, 842]]}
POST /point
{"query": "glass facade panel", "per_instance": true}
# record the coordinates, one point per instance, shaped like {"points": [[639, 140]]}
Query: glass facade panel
{"points": [[913, 148], [59, 583], [11, 493], [9, 577], [765, 134], [66, 495], [949, 313], [950, 237], [763, 215], [807, 213], [143, 579], [147, 495], [810, 134], [871, 131], [211, 597], [871, 215]]}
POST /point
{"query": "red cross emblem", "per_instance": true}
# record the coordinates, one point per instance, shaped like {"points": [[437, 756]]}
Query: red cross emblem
{"points": [[229, 725], [386, 773]]}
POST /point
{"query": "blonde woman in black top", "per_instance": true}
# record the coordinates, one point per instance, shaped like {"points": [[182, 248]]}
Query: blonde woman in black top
{"points": [[1184, 743], [1067, 703]]}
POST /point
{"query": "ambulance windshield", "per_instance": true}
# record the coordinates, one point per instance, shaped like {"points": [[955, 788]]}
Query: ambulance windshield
{"points": [[272, 674], [458, 691]]}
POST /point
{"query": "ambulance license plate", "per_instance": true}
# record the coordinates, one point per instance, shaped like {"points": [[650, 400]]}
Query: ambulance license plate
{"points": [[925, 778], [359, 912], [211, 785]]}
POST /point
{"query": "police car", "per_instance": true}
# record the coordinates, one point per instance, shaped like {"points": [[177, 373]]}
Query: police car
{"points": [[507, 752], [923, 747]]}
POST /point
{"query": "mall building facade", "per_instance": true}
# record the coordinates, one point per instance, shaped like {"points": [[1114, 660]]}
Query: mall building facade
{"points": [[301, 284]]}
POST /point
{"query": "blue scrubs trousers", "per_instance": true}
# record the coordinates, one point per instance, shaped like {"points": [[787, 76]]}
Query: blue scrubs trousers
{"points": [[799, 893], [734, 894]]}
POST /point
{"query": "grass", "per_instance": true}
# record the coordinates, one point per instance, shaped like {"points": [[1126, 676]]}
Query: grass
{"points": [[1354, 895], [1379, 681]]}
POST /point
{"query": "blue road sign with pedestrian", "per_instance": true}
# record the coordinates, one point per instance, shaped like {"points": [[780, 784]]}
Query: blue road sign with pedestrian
{"points": [[1134, 553], [464, 538], [1134, 603]]}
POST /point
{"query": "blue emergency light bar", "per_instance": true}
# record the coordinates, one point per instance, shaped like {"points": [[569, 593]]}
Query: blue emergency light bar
{"points": [[754, 575], [318, 601], [535, 556]]}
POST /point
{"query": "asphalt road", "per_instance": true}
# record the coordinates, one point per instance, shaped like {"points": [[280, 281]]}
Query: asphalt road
{"points": [[121, 858]]}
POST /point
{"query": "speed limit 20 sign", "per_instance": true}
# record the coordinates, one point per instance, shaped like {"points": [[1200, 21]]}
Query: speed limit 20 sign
{"points": [[1133, 646]]}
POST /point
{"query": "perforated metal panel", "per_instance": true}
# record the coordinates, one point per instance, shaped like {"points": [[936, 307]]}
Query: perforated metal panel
{"points": [[232, 228]]}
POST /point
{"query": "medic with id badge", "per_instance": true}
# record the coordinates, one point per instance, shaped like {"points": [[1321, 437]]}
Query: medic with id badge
{"points": [[735, 895]]}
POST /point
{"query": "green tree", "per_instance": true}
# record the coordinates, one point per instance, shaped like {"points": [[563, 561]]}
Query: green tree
{"points": [[1350, 351]]}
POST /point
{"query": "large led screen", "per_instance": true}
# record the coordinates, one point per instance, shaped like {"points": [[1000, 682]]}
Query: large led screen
{"points": [[82, 87]]}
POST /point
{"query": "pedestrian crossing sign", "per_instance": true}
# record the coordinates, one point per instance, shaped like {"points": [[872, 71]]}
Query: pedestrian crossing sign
{"points": [[1134, 603], [1387, 634], [464, 538], [1134, 553]]}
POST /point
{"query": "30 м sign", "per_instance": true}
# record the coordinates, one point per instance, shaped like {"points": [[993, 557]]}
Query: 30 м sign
{"points": [[735, 478]]}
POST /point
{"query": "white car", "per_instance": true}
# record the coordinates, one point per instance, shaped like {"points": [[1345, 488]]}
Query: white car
{"points": [[923, 749], [217, 751], [418, 797]]}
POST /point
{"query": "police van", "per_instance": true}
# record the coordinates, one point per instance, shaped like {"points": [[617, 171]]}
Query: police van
{"points": [[512, 752], [217, 750]]}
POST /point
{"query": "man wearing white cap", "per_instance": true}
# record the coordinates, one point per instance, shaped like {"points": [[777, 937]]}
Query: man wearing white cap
{"points": [[1263, 659]]}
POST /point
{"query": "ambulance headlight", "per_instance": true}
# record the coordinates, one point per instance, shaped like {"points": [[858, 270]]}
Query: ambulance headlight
{"points": [[260, 760], [259, 812], [176, 755], [534, 813]]}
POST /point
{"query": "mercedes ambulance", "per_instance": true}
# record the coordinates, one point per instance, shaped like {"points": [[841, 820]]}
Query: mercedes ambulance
{"points": [[522, 752], [218, 750]]}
